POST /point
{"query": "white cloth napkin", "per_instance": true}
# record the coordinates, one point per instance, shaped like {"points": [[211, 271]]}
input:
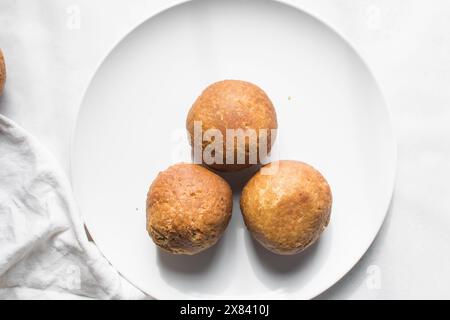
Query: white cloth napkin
{"points": [[44, 250]]}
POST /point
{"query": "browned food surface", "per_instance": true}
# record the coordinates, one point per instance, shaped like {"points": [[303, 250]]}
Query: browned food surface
{"points": [[188, 208], [286, 211], [2, 72], [233, 104]]}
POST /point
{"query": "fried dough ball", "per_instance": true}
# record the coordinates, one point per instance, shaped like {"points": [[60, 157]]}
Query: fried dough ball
{"points": [[287, 207], [188, 209], [2, 72], [234, 104]]}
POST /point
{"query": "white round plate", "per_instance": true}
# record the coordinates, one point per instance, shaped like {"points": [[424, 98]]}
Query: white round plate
{"points": [[131, 126]]}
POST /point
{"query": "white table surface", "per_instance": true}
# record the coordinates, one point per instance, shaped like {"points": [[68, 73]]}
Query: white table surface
{"points": [[53, 46]]}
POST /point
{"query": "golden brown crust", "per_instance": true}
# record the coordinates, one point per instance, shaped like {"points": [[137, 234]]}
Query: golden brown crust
{"points": [[288, 210], [2, 72], [188, 208], [233, 104]]}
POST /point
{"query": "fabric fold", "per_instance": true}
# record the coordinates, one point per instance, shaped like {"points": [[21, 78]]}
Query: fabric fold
{"points": [[44, 249]]}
